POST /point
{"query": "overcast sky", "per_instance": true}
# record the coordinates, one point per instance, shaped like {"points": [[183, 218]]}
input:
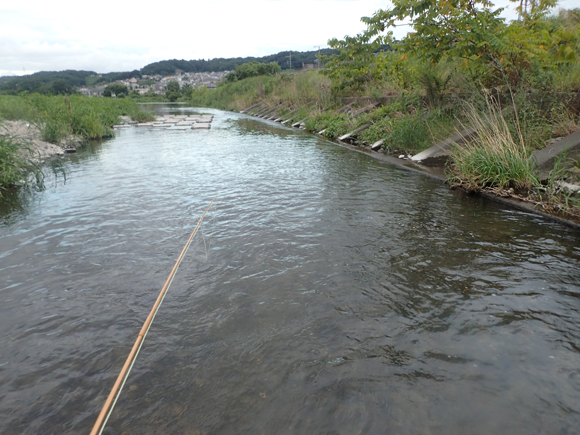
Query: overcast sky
{"points": [[106, 35]]}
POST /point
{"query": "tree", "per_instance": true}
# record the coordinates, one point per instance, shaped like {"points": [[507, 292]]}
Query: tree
{"points": [[353, 66], [151, 92], [252, 69], [116, 89], [172, 90], [469, 32], [187, 90], [61, 87]]}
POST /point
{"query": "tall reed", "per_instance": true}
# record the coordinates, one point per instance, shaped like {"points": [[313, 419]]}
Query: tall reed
{"points": [[16, 167], [493, 158]]}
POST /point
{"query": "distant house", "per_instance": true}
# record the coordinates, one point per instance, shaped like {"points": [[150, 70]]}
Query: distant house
{"points": [[309, 66], [95, 91]]}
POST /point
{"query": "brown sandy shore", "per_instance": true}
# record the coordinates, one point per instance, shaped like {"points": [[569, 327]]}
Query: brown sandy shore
{"points": [[35, 148]]}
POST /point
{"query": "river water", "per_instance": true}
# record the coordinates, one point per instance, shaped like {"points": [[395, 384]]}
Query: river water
{"points": [[328, 293]]}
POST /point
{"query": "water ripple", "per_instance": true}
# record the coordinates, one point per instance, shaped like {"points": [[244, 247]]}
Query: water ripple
{"points": [[326, 293]]}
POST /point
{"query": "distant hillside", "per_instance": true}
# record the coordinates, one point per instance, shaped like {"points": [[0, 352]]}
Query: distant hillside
{"points": [[168, 67], [64, 82], [44, 81]]}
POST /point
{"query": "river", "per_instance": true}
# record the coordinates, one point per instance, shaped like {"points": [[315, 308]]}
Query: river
{"points": [[327, 293]]}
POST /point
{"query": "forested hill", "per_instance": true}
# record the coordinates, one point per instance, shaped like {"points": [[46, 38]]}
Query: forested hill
{"points": [[45, 81], [168, 67], [59, 82]]}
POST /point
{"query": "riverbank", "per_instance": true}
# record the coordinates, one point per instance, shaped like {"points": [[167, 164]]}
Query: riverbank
{"points": [[554, 169], [437, 172]]}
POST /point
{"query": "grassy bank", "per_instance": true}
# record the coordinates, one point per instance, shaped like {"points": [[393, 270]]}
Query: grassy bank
{"points": [[57, 117], [498, 160], [406, 125], [289, 89]]}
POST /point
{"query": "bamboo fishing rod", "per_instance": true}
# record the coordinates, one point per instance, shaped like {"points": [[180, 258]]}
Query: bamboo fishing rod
{"points": [[120, 382]]}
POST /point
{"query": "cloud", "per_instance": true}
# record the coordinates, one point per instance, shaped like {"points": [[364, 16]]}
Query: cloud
{"points": [[114, 36]]}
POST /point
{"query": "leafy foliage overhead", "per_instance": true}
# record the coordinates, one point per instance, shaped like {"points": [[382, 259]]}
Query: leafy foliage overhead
{"points": [[470, 33]]}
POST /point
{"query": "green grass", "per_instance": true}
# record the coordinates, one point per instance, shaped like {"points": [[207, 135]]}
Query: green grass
{"points": [[339, 125], [408, 133], [333, 122], [403, 126], [13, 108]]}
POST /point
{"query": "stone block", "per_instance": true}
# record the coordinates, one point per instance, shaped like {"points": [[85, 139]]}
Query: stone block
{"points": [[545, 158]]}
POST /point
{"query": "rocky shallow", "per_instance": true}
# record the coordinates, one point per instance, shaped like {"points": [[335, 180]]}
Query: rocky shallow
{"points": [[174, 122]]}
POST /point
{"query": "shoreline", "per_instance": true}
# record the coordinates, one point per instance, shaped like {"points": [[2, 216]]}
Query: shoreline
{"points": [[34, 148], [437, 173]]}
